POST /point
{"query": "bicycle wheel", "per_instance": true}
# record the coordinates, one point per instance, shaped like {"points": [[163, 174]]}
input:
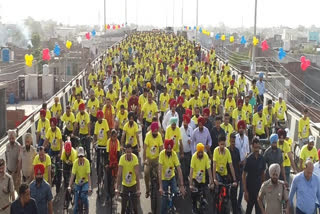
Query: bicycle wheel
{"points": [[154, 197]]}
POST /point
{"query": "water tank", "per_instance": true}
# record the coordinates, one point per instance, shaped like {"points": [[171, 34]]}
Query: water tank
{"points": [[45, 69], [5, 53]]}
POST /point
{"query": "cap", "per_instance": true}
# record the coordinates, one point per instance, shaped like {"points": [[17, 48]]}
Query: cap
{"points": [[39, 169], [53, 121], [311, 138], [168, 143], [280, 95], [80, 151], [82, 106]]}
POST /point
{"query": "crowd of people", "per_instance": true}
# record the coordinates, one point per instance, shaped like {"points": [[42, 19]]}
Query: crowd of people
{"points": [[202, 124]]}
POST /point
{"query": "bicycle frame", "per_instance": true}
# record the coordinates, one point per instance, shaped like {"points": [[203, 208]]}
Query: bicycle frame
{"points": [[154, 189], [130, 196], [222, 198], [100, 169], [81, 207], [200, 202]]}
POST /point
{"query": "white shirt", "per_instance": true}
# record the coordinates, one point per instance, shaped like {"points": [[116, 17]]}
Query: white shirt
{"points": [[243, 145], [186, 136], [316, 169], [167, 117]]}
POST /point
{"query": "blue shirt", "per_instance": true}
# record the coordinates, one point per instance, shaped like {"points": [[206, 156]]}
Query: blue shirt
{"points": [[42, 194], [308, 192], [203, 137], [261, 87]]}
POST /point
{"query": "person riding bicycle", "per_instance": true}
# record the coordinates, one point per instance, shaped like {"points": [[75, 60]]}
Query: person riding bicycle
{"points": [[54, 145], [68, 119], [308, 151], [81, 174], [148, 111], [200, 163], [130, 134], [168, 161], [101, 132], [112, 159], [69, 155], [280, 108], [83, 122], [128, 173], [93, 105], [56, 111], [304, 129], [42, 128], [153, 144], [259, 124]]}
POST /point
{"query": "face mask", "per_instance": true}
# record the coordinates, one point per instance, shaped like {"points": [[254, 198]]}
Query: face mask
{"points": [[155, 135], [39, 180]]}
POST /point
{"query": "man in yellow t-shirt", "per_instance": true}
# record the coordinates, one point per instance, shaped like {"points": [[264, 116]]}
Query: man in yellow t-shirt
{"points": [[130, 134], [280, 109], [81, 174], [259, 124], [45, 160], [122, 117], [42, 127], [152, 146], [222, 158], [69, 155], [173, 132], [230, 104], [148, 111], [53, 142], [68, 119], [304, 128], [269, 112], [168, 162], [56, 109], [93, 106], [128, 173], [227, 127], [238, 114], [164, 103], [308, 152]]}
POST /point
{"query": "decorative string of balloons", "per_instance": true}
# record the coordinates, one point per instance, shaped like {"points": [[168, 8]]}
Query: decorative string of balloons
{"points": [[113, 26]]}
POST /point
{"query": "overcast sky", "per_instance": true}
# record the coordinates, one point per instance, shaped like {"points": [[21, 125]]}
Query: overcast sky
{"points": [[233, 13]]}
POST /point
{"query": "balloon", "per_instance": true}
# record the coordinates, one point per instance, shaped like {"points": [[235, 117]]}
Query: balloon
{"points": [[189, 27], [305, 63], [264, 45], [231, 39], [197, 28], [217, 36], [281, 53], [93, 32], [56, 50], [113, 27], [200, 30], [108, 26], [46, 54], [255, 41], [28, 58], [88, 36], [118, 26], [223, 37], [194, 28], [69, 44], [243, 40], [122, 25]]}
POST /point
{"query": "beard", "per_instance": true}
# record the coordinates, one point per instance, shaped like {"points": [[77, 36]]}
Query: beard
{"points": [[130, 122], [155, 135], [168, 153], [200, 156], [274, 180], [39, 180], [28, 147]]}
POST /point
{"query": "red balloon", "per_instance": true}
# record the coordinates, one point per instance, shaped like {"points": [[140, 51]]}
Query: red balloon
{"points": [[108, 27], [118, 26], [305, 64], [264, 45], [113, 27], [122, 25], [302, 59], [46, 55], [88, 36]]}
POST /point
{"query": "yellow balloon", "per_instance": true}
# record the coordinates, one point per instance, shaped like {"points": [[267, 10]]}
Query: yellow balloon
{"points": [[68, 44], [255, 41], [28, 58], [223, 37], [197, 28], [231, 39]]}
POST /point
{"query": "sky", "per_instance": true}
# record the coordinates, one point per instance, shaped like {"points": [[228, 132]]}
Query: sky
{"points": [[233, 13]]}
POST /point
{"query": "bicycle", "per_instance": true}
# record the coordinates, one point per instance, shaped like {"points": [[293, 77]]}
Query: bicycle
{"points": [[169, 196], [129, 196], [68, 199], [154, 189], [56, 173], [201, 202], [222, 198], [82, 209], [111, 189], [100, 170]]}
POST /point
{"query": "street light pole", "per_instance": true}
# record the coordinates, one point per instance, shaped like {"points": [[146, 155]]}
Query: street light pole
{"points": [[104, 21], [182, 16], [173, 14], [126, 21], [253, 65], [197, 20]]}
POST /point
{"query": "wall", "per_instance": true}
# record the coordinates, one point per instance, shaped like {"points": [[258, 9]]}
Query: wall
{"points": [[14, 117], [48, 86]]}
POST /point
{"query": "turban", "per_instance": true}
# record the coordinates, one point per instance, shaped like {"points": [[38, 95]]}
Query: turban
{"points": [[231, 82], [43, 112], [260, 107], [173, 66], [186, 68], [154, 126], [280, 96], [241, 124], [206, 111], [82, 106], [186, 118], [282, 132], [274, 169], [173, 103], [240, 102], [168, 143], [148, 85], [170, 80], [204, 87], [201, 120], [261, 75], [180, 99], [173, 120], [200, 147], [67, 147], [53, 121], [274, 138], [181, 59], [100, 114], [39, 169], [188, 112], [160, 61], [127, 80]]}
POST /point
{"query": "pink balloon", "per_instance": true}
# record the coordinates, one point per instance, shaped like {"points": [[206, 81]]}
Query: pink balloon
{"points": [[305, 64], [302, 59], [45, 54], [88, 36], [264, 45]]}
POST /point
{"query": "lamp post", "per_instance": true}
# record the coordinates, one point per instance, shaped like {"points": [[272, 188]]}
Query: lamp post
{"points": [[105, 24], [182, 16], [126, 10], [253, 63], [197, 20]]}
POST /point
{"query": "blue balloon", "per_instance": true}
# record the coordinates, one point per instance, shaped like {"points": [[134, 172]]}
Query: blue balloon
{"points": [[200, 30], [243, 40], [194, 28], [217, 36], [56, 50], [93, 32], [282, 54]]}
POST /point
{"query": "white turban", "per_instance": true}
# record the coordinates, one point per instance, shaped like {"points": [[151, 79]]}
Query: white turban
{"points": [[274, 169]]}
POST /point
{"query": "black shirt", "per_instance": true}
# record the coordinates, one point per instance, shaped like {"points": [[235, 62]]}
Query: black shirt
{"points": [[215, 135], [29, 208], [209, 126], [235, 155], [181, 111], [254, 167]]}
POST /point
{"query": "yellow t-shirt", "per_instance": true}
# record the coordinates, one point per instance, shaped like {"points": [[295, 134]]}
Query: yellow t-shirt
{"points": [[228, 129], [238, 115], [222, 160], [304, 127], [175, 135], [248, 110], [164, 101], [46, 163], [285, 148], [68, 120], [178, 83], [43, 127], [168, 164], [112, 96], [78, 89], [153, 145], [82, 171], [199, 167], [215, 102], [171, 90], [75, 106], [255, 91], [99, 94], [233, 90], [127, 91], [142, 100], [218, 88], [122, 102], [193, 84], [83, 121], [187, 93], [242, 84], [280, 109], [131, 133], [92, 77], [123, 118], [204, 97], [48, 115], [72, 157], [229, 106], [53, 138], [56, 110], [259, 123], [193, 102], [306, 154], [289, 141], [128, 170], [204, 81], [149, 111], [268, 115], [101, 131], [93, 106]]}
